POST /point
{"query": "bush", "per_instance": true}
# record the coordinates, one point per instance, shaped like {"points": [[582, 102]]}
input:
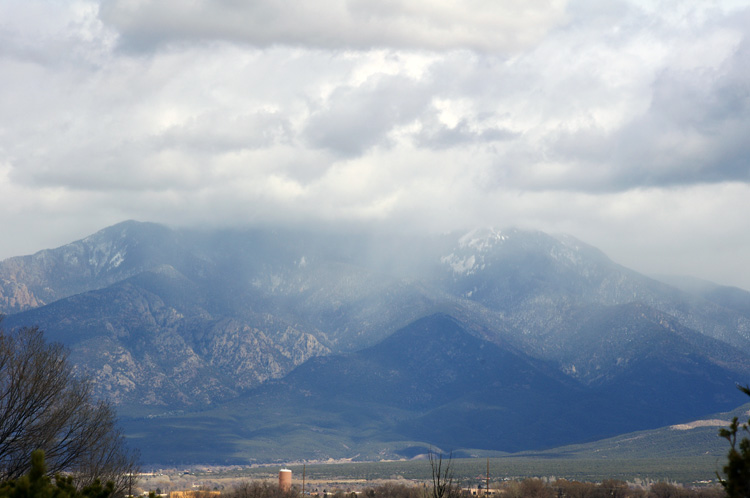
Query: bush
{"points": [[37, 484], [737, 470]]}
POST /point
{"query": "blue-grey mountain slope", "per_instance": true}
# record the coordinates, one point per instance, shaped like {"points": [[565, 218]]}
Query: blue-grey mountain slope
{"points": [[430, 383], [169, 321], [95, 262]]}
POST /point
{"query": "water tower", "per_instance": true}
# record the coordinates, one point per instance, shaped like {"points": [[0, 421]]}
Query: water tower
{"points": [[285, 480]]}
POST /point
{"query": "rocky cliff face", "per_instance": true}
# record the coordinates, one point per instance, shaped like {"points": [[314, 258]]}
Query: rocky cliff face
{"points": [[153, 341]]}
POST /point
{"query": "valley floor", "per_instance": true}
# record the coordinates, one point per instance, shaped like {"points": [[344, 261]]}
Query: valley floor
{"points": [[469, 472]]}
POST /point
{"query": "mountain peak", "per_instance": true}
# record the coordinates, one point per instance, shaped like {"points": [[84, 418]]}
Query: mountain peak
{"points": [[527, 323], [482, 239]]}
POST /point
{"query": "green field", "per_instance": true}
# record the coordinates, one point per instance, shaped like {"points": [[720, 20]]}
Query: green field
{"points": [[682, 456], [685, 456], [471, 471]]}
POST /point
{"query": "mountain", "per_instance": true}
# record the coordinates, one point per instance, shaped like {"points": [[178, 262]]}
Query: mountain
{"points": [[724, 296], [693, 438], [95, 262], [430, 383], [452, 340], [149, 341]]}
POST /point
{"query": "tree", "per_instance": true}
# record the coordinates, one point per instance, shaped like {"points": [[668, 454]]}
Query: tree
{"points": [[257, 489], [535, 488], [737, 469], [442, 476], [37, 484], [44, 406]]}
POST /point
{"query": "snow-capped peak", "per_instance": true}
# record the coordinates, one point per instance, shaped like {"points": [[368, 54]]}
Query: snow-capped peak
{"points": [[468, 258], [482, 239]]}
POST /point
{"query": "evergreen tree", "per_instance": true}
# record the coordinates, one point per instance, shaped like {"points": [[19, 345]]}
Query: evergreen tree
{"points": [[737, 470], [37, 484]]}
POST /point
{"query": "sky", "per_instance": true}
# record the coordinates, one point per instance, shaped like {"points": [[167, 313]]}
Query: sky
{"points": [[624, 123]]}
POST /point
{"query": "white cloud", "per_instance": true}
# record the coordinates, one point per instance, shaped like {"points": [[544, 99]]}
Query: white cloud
{"points": [[482, 25], [608, 120]]}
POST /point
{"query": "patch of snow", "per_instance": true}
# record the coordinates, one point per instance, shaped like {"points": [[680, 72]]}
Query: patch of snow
{"points": [[465, 266], [570, 370], [481, 240], [469, 258], [116, 260], [567, 254], [276, 282]]}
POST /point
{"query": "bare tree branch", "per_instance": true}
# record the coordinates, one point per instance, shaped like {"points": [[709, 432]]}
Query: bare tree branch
{"points": [[44, 406]]}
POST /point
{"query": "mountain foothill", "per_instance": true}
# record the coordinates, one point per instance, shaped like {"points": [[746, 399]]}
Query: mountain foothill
{"points": [[252, 345]]}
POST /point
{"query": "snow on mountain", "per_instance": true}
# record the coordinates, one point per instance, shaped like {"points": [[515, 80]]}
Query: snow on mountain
{"points": [[168, 319]]}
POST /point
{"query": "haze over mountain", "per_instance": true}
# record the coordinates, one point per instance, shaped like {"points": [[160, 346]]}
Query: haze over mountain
{"points": [[231, 345]]}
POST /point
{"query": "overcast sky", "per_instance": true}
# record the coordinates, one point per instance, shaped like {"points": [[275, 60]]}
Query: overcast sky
{"points": [[623, 123]]}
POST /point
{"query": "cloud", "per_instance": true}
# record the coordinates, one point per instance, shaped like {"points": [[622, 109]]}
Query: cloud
{"points": [[354, 118], [664, 104], [608, 120], [697, 122], [691, 132], [608, 101], [482, 25], [54, 33]]}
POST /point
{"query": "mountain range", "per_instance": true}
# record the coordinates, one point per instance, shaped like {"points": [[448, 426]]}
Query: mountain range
{"points": [[232, 346]]}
